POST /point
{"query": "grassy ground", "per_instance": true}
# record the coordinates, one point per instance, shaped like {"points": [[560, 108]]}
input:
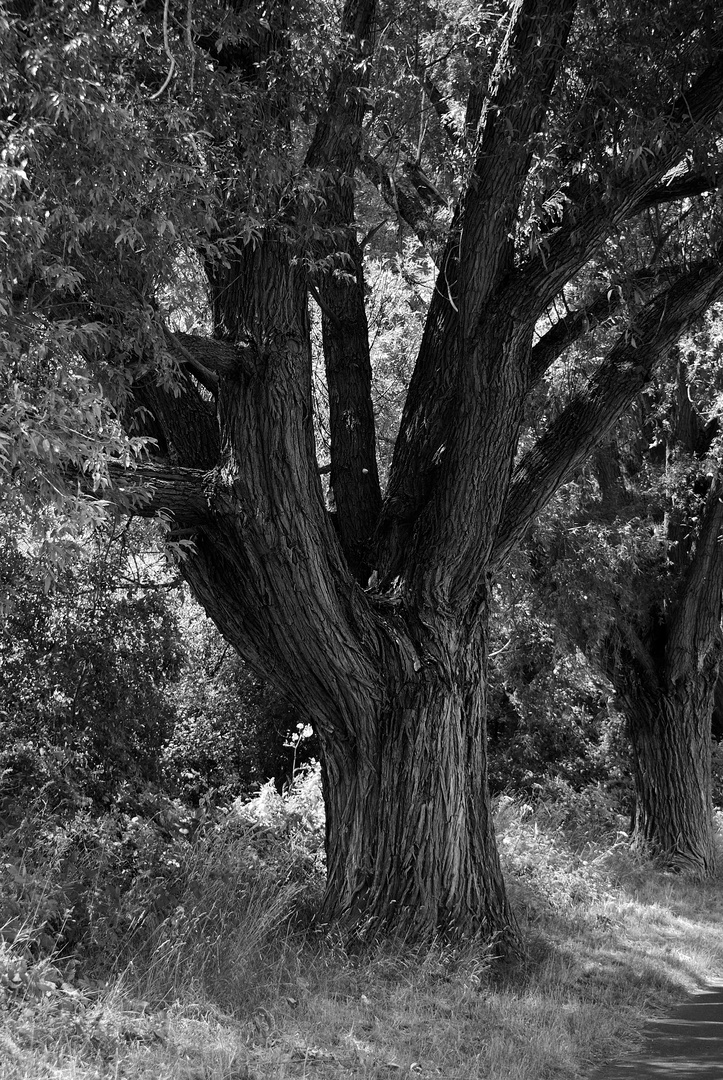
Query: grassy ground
{"points": [[226, 989]]}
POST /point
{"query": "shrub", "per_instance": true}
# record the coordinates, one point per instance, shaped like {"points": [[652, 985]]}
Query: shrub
{"points": [[153, 882], [231, 730], [82, 670]]}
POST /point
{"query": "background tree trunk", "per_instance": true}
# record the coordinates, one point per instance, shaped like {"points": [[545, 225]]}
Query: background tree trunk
{"points": [[671, 758], [667, 681]]}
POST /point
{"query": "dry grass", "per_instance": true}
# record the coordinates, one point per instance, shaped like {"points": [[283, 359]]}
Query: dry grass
{"points": [[226, 990]]}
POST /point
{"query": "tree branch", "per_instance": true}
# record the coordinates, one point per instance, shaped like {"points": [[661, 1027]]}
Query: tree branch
{"points": [[589, 416], [208, 358], [643, 662], [442, 110], [187, 422], [519, 94], [335, 151], [680, 185], [595, 209], [578, 322], [414, 199], [425, 504], [426, 417], [690, 434], [161, 489], [695, 625], [568, 329]]}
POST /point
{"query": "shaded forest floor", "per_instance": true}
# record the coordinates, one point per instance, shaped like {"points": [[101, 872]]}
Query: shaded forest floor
{"points": [[201, 965]]}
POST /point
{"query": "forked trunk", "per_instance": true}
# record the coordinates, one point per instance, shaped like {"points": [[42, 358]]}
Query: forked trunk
{"points": [[397, 701], [409, 838], [392, 674], [671, 744]]}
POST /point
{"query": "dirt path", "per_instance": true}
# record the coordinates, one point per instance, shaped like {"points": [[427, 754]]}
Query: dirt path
{"points": [[688, 1043]]}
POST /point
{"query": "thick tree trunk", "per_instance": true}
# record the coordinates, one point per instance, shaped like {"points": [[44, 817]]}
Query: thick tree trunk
{"points": [[401, 722], [670, 739], [410, 838], [335, 150]]}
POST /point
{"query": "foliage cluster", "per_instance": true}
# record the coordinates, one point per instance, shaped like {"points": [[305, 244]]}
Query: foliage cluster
{"points": [[124, 723], [552, 718], [231, 731], [113, 682], [83, 666]]}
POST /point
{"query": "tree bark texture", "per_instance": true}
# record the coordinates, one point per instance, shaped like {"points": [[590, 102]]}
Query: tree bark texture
{"points": [[670, 740], [410, 832]]}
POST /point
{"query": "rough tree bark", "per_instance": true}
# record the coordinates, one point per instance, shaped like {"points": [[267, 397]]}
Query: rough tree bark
{"points": [[392, 675], [669, 733]]}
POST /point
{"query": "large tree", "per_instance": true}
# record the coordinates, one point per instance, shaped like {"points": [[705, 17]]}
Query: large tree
{"points": [[245, 135], [665, 664], [632, 567]]}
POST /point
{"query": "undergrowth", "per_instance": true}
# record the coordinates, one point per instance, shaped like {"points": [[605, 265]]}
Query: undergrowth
{"points": [[157, 942]]}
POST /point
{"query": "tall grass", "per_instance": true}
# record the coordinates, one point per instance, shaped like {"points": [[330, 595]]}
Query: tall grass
{"points": [[227, 930], [224, 981]]}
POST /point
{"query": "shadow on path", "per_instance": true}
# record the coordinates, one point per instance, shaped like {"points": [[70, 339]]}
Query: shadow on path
{"points": [[688, 1042]]}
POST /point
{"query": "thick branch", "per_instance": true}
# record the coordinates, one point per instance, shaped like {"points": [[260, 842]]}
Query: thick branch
{"points": [[680, 183], [442, 425], [589, 416], [624, 655], [568, 329], [515, 109], [690, 431], [335, 150], [208, 358], [185, 421], [468, 471], [578, 322], [678, 186], [695, 626], [268, 568], [426, 417], [690, 434], [162, 490], [610, 479]]}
